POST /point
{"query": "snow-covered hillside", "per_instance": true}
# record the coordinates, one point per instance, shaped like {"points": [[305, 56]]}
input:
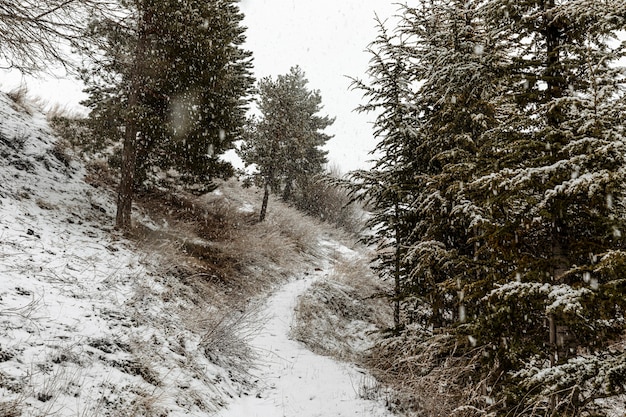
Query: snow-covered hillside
{"points": [[93, 324], [87, 324]]}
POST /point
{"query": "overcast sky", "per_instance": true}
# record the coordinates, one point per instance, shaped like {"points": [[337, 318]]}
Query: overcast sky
{"points": [[326, 38]]}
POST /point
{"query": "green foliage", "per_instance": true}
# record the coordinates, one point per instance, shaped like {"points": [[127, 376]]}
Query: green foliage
{"points": [[284, 144], [194, 78], [499, 190], [384, 188]]}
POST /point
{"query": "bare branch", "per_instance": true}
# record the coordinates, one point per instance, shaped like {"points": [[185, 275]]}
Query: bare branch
{"points": [[34, 34]]}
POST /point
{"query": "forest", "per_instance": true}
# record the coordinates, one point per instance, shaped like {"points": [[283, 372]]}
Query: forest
{"points": [[496, 202]]}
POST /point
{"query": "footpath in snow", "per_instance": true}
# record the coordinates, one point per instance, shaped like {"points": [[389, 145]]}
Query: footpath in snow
{"points": [[294, 382]]}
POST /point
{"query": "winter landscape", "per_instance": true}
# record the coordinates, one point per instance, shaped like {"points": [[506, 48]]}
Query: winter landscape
{"points": [[189, 242], [94, 324]]}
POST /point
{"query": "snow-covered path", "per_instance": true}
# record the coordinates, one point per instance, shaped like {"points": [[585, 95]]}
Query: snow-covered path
{"points": [[294, 381]]}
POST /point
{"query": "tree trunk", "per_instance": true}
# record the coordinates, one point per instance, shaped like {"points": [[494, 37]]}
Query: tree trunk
{"points": [[129, 154], [554, 117], [266, 197], [397, 270], [287, 190], [127, 180], [553, 355]]}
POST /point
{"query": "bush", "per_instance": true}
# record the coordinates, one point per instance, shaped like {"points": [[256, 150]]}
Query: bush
{"points": [[327, 201], [77, 133]]}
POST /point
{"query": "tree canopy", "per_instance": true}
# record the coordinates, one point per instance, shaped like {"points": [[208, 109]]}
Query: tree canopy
{"points": [[172, 82], [285, 142], [500, 189]]}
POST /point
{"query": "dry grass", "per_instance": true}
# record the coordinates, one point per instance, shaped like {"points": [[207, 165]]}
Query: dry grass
{"points": [[428, 377], [212, 240], [326, 200], [100, 174], [57, 111], [10, 409], [416, 373], [215, 259], [20, 98], [342, 316], [24, 101]]}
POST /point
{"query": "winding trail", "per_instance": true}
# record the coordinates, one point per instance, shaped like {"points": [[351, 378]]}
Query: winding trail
{"points": [[294, 381]]}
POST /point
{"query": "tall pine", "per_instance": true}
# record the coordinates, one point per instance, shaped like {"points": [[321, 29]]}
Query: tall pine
{"points": [[171, 81], [431, 85], [384, 188], [554, 242], [510, 166], [455, 69], [285, 142]]}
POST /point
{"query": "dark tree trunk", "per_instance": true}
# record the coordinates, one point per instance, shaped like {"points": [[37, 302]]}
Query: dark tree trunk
{"points": [[556, 86], [266, 197], [287, 190], [129, 154], [127, 180], [397, 270]]}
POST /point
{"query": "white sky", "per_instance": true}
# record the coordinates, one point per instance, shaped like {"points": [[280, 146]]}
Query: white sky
{"points": [[326, 38]]}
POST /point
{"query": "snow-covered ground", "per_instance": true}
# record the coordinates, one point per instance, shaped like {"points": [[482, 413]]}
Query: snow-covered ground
{"points": [[91, 325], [87, 325], [294, 381]]}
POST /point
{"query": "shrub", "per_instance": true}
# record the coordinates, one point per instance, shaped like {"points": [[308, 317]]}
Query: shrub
{"points": [[329, 202]]}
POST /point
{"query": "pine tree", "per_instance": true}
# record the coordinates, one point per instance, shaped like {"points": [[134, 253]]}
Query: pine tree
{"points": [[208, 87], [555, 204], [432, 81], [384, 187], [509, 164], [285, 144], [172, 82], [455, 66]]}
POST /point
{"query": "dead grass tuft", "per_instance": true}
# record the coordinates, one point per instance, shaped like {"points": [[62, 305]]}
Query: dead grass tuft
{"points": [[100, 174], [296, 229], [19, 97], [58, 111], [324, 199], [62, 152], [10, 409], [427, 375], [342, 315], [138, 366], [225, 337]]}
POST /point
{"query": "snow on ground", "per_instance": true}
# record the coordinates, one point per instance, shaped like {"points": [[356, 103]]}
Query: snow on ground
{"points": [[90, 326], [295, 381], [84, 325]]}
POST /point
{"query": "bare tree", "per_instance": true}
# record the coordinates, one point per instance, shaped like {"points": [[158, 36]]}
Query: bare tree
{"points": [[36, 33]]}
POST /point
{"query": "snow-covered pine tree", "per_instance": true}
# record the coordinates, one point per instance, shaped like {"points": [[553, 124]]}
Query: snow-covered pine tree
{"points": [[431, 84], [208, 84], [285, 143], [386, 186], [454, 71], [172, 77], [553, 246], [515, 196]]}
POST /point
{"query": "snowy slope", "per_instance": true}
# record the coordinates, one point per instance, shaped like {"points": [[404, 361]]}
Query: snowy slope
{"points": [[84, 329], [295, 381], [94, 325]]}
